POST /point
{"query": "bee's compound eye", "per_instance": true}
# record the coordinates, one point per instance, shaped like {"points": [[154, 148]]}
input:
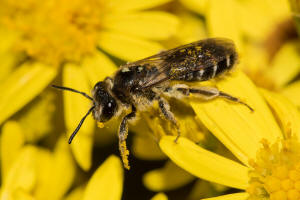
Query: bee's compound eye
{"points": [[109, 109], [104, 102]]}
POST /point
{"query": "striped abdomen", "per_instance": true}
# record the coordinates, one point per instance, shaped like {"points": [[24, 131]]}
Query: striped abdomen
{"points": [[208, 72]]}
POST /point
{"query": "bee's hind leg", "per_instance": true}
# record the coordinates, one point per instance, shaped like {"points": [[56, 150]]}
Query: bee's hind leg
{"points": [[123, 133], [208, 93], [165, 109]]}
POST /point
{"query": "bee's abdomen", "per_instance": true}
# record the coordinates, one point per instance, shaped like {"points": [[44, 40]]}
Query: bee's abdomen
{"points": [[208, 72]]}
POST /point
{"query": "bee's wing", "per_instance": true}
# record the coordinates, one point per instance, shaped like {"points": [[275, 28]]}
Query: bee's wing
{"points": [[164, 61], [157, 62], [157, 58]]}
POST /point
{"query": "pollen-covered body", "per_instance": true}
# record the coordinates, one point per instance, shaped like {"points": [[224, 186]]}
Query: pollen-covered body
{"points": [[128, 82], [143, 81], [135, 86]]}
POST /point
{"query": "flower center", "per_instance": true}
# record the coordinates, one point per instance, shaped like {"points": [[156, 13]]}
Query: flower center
{"points": [[276, 172], [54, 31]]}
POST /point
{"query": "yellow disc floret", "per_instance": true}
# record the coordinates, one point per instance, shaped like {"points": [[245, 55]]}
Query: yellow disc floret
{"points": [[275, 175], [54, 31]]}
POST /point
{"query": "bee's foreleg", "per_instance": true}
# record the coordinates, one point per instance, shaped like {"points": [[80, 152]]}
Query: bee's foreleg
{"points": [[205, 93], [165, 109], [123, 133]]}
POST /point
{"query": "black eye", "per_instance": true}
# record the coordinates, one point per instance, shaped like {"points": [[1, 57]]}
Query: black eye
{"points": [[108, 109], [105, 102]]}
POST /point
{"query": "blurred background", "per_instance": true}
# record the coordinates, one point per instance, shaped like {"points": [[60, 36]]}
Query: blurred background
{"points": [[78, 43]]}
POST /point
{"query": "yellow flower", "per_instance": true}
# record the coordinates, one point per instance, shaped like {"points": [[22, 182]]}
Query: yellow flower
{"points": [[106, 182], [266, 145], [41, 37], [31, 172]]}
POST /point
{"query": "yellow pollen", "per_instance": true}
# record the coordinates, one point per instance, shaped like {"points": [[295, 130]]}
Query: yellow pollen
{"points": [[54, 31], [275, 174], [294, 175], [281, 172], [293, 194], [272, 184], [287, 184], [124, 154], [100, 124], [297, 185]]}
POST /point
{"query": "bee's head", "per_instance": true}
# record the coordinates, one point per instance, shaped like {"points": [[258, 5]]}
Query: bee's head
{"points": [[105, 104]]}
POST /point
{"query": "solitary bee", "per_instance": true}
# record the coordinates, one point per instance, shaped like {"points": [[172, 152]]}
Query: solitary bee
{"points": [[137, 85]]}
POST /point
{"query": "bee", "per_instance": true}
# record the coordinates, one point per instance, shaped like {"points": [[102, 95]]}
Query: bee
{"points": [[137, 85]]}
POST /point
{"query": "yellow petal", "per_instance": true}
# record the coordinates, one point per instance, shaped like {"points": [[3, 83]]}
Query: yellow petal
{"points": [[107, 182], [75, 194], [42, 107], [132, 5], [292, 92], [25, 83], [75, 107], [239, 129], [258, 18], [234, 196], [12, 140], [285, 65], [196, 5], [10, 38], [98, 67], [285, 111], [146, 148], [56, 172], [160, 196], [64, 168], [204, 188], [150, 25], [21, 194], [222, 20], [44, 165], [127, 47], [7, 56], [191, 29], [169, 177], [8, 61], [204, 164], [256, 61], [22, 174]]}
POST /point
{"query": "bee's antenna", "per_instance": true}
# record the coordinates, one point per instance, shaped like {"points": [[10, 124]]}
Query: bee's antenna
{"points": [[73, 90], [80, 123]]}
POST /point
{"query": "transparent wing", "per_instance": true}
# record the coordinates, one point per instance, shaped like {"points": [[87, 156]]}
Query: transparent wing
{"points": [[179, 58]]}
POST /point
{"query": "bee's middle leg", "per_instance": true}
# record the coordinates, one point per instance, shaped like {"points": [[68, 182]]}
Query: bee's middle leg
{"points": [[165, 109], [123, 133]]}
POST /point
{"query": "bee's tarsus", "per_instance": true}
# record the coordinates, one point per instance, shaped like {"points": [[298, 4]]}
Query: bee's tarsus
{"points": [[250, 108], [177, 137], [231, 98]]}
